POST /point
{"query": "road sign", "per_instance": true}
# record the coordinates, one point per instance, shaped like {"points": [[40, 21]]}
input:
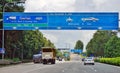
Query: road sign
{"points": [[60, 21], [76, 50], [2, 51], [66, 54]]}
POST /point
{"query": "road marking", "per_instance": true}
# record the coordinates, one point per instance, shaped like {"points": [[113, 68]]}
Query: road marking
{"points": [[95, 70], [63, 71]]}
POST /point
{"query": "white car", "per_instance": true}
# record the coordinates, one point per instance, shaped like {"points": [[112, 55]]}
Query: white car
{"points": [[89, 60]]}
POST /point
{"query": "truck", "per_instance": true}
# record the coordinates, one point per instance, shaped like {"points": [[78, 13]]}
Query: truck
{"points": [[48, 55]]}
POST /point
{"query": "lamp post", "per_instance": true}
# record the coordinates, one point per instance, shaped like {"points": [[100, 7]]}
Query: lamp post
{"points": [[3, 31], [3, 10]]}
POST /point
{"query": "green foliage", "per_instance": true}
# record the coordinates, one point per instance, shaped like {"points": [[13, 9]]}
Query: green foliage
{"points": [[16, 59], [10, 7], [97, 44], [112, 61], [58, 53], [112, 47], [23, 44], [79, 45]]}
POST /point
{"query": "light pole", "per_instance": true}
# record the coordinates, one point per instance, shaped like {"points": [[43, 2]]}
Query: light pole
{"points": [[3, 30], [3, 10]]}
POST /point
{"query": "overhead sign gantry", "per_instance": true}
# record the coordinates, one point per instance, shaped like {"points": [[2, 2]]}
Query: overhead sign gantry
{"points": [[60, 21]]}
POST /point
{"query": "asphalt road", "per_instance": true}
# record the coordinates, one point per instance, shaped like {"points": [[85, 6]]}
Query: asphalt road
{"points": [[61, 67], [73, 66]]}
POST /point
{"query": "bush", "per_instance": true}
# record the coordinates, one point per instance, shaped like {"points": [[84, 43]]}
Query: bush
{"points": [[112, 61], [16, 59]]}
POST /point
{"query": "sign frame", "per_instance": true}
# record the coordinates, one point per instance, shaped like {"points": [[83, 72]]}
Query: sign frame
{"points": [[61, 21]]}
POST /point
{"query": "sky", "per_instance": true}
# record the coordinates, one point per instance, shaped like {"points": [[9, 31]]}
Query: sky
{"points": [[67, 38]]}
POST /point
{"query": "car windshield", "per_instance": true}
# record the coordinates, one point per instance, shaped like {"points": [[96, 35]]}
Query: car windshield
{"points": [[89, 58]]}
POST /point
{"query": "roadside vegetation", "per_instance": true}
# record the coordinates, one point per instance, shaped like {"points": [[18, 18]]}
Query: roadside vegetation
{"points": [[112, 61], [106, 45]]}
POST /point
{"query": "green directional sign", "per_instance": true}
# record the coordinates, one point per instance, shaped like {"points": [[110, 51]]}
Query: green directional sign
{"points": [[24, 25]]}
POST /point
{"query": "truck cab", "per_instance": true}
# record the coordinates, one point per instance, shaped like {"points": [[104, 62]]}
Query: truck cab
{"points": [[48, 55]]}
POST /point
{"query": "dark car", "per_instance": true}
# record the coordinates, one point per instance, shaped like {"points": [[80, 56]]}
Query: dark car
{"points": [[60, 59], [37, 58], [83, 59]]}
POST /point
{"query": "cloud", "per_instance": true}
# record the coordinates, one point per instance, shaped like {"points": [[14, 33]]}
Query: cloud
{"points": [[51, 37], [107, 5], [71, 5], [49, 5]]}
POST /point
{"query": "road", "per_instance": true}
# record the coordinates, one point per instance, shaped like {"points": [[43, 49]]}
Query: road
{"points": [[74, 66], [61, 67]]}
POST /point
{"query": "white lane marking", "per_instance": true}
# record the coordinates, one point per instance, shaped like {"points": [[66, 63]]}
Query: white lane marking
{"points": [[63, 71], [95, 70]]}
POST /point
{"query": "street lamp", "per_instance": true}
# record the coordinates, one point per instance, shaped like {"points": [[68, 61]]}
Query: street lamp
{"points": [[3, 10]]}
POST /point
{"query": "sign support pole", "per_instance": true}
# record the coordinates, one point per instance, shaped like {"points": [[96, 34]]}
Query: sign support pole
{"points": [[3, 32], [3, 44]]}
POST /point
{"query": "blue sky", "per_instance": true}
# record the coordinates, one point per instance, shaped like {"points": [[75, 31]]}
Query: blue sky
{"points": [[67, 38]]}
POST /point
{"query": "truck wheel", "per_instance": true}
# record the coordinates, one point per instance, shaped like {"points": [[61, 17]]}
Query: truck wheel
{"points": [[34, 62], [53, 62], [84, 63], [44, 63]]}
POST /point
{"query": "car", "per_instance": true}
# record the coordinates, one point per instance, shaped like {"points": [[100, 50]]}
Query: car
{"points": [[60, 59], [37, 58], [83, 59], [89, 60]]}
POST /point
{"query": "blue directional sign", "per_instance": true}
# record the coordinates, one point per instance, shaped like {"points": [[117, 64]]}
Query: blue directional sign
{"points": [[60, 21], [2, 51], [76, 50]]}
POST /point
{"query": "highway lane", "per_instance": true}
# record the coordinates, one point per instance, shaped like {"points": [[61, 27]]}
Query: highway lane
{"points": [[61, 67], [78, 67]]}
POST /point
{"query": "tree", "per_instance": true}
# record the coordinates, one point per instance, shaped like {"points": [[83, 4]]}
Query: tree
{"points": [[96, 45], [79, 45], [112, 47], [59, 53], [33, 41]]}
